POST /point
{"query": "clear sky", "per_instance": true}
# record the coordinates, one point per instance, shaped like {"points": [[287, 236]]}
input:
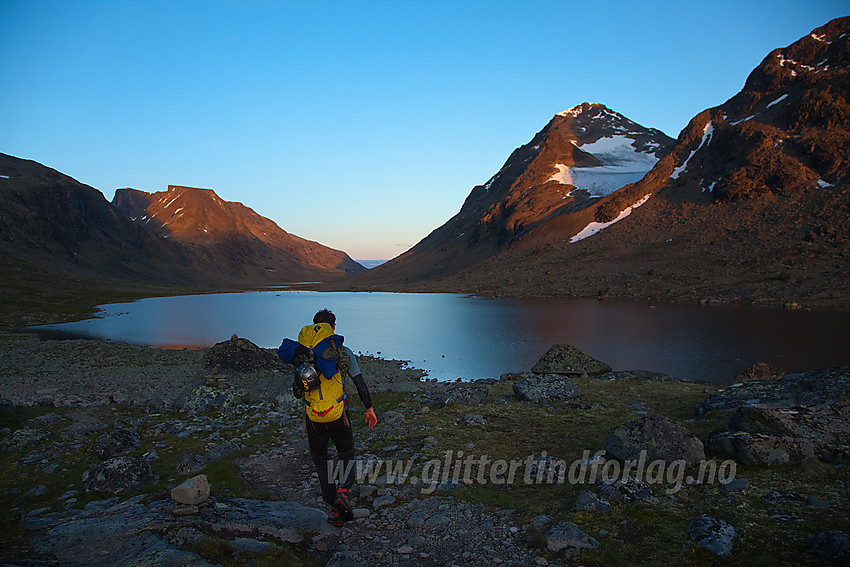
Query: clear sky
{"points": [[362, 125]]}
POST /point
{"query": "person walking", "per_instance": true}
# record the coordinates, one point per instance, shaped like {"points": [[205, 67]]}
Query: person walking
{"points": [[322, 363]]}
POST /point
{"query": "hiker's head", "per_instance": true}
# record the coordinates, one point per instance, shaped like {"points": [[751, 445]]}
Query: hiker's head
{"points": [[325, 316]]}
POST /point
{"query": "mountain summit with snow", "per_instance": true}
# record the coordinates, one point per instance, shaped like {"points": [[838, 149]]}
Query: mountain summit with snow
{"points": [[750, 204], [581, 155]]}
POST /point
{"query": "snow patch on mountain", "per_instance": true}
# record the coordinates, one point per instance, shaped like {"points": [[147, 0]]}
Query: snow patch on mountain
{"points": [[620, 161], [706, 139], [594, 227]]}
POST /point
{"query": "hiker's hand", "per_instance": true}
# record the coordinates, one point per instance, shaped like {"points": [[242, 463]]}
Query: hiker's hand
{"points": [[371, 418]]}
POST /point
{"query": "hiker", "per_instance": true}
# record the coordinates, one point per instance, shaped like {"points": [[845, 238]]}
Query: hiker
{"points": [[322, 363]]}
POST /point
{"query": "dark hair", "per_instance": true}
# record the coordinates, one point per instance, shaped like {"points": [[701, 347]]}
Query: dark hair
{"points": [[325, 316]]}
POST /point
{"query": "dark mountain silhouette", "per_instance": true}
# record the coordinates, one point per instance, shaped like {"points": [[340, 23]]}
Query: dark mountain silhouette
{"points": [[750, 204], [231, 235]]}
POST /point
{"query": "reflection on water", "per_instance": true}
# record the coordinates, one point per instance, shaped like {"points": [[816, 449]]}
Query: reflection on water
{"points": [[453, 336]]}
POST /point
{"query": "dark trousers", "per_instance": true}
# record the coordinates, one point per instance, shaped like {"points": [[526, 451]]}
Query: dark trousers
{"points": [[338, 431]]}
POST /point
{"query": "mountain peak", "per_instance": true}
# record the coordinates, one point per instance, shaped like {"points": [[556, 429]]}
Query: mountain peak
{"points": [[585, 107]]}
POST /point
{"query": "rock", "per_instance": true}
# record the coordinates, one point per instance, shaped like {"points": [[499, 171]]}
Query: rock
{"points": [[381, 501], [806, 389], [241, 355], [117, 442], [117, 475], [405, 549], [643, 375], [834, 544], [567, 536], [462, 395], [473, 419], [190, 463], [204, 397], [759, 371], [24, 438], [816, 502], [541, 520], [714, 534], [659, 436], [192, 492], [625, 490], [568, 360], [590, 502], [391, 417], [537, 388], [827, 428], [222, 450], [185, 511], [735, 485], [758, 448]]}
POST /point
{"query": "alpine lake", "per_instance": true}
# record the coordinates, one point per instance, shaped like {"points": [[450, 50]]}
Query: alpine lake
{"points": [[466, 337]]}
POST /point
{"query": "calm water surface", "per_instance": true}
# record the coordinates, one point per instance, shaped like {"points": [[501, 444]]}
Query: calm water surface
{"points": [[455, 336]]}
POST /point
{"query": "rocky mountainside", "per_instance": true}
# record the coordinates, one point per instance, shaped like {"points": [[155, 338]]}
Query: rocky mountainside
{"points": [[231, 235], [749, 205], [53, 222], [582, 154], [55, 226]]}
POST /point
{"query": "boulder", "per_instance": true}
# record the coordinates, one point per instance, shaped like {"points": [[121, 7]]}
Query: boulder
{"points": [[462, 395], [659, 436], [714, 534], [117, 475], [567, 536], [241, 355], [834, 544], [759, 371], [806, 389], [192, 492], [827, 428], [537, 388], [590, 502], [643, 375], [24, 438], [568, 360], [117, 442], [759, 448], [626, 490], [204, 397]]}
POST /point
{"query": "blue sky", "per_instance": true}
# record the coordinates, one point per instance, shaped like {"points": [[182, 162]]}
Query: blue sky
{"points": [[362, 125]]}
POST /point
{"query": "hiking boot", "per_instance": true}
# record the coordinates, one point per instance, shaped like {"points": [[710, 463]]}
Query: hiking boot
{"points": [[342, 505], [335, 519]]}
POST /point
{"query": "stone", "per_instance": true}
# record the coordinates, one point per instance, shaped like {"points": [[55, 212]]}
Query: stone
{"points": [[473, 419], [567, 536], [117, 442], [659, 436], [759, 371], [643, 375], [204, 398], [185, 511], [462, 395], [714, 534], [192, 492], [626, 490], [591, 502], [539, 521], [381, 501], [117, 475], [405, 549], [241, 355], [24, 438], [190, 463], [537, 388], [758, 448], [568, 360], [834, 544], [735, 485]]}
